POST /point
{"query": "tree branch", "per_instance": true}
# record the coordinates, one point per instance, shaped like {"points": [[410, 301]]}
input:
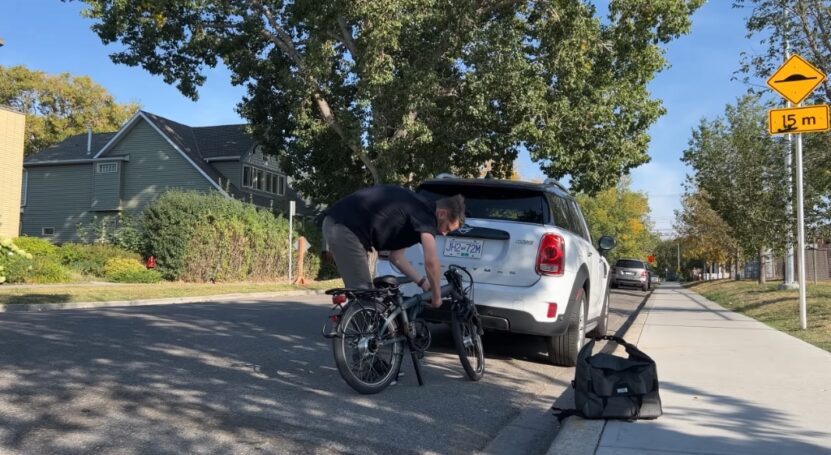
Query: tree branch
{"points": [[283, 41], [348, 40]]}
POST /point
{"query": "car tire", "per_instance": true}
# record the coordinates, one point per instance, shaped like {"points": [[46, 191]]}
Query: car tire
{"points": [[602, 323], [563, 349], [645, 287]]}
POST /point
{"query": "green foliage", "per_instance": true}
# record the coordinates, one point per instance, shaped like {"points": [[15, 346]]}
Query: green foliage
{"points": [[37, 246], [352, 93], [805, 23], [15, 263], [20, 266], [129, 270], [705, 235], [206, 237], [92, 259], [123, 231], [624, 215], [59, 106], [47, 270], [740, 172]]}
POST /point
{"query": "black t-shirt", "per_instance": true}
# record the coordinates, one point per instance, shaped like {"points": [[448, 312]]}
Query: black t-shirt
{"points": [[385, 217]]}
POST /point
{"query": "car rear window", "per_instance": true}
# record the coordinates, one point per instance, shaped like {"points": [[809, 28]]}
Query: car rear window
{"points": [[628, 263], [494, 203]]}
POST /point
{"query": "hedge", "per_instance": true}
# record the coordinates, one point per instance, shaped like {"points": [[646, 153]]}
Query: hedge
{"points": [[208, 237]]}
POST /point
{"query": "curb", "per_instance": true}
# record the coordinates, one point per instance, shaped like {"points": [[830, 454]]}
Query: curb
{"points": [[30, 307], [580, 436]]}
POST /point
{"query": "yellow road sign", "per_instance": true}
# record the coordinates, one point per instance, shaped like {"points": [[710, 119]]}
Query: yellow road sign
{"points": [[796, 79], [809, 119]]}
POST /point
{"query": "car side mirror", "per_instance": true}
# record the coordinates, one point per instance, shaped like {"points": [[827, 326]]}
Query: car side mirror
{"points": [[605, 244]]}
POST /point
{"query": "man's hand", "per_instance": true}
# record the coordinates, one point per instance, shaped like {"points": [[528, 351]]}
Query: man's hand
{"points": [[425, 286], [436, 300]]}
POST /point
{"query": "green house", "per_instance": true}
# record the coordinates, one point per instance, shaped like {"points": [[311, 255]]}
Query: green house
{"points": [[97, 176]]}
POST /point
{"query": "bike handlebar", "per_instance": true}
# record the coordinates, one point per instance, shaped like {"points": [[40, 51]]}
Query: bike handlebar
{"points": [[424, 297]]}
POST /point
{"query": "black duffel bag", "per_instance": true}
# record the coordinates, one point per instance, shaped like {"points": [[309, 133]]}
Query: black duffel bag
{"points": [[611, 387]]}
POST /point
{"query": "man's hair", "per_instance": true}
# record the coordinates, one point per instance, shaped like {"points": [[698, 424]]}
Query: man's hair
{"points": [[455, 206]]}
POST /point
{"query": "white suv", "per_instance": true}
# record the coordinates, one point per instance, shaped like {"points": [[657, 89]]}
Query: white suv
{"points": [[531, 256]]}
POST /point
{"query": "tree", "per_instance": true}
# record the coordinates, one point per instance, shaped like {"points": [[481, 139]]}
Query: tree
{"points": [[624, 215], [348, 93], [59, 106], [706, 236], [740, 172], [806, 24]]}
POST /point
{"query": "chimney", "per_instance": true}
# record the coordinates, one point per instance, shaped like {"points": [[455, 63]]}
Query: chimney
{"points": [[89, 141]]}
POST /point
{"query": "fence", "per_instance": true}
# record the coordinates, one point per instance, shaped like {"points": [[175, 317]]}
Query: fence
{"points": [[817, 266]]}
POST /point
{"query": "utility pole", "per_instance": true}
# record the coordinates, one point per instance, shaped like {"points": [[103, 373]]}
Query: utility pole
{"points": [[789, 254], [678, 257]]}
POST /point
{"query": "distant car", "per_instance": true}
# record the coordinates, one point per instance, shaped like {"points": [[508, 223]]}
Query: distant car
{"points": [[536, 268], [631, 272]]}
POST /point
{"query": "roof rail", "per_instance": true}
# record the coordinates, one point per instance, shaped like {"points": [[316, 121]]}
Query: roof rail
{"points": [[555, 182], [446, 175]]}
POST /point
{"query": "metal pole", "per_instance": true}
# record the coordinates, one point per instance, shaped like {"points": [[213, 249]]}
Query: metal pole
{"points": [[291, 253], [678, 256], [789, 272], [800, 215]]}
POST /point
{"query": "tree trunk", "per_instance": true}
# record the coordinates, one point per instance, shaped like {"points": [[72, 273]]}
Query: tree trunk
{"points": [[761, 266], [737, 263]]}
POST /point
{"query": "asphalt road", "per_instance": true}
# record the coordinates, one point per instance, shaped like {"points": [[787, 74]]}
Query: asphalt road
{"points": [[248, 378]]}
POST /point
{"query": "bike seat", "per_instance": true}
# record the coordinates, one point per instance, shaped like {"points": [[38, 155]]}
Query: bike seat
{"points": [[390, 281]]}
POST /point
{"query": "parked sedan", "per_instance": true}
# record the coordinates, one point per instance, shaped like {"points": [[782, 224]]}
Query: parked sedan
{"points": [[631, 272]]}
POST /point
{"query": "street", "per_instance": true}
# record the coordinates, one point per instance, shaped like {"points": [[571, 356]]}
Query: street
{"points": [[248, 377]]}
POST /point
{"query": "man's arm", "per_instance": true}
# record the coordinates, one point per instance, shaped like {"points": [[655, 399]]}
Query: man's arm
{"points": [[432, 266], [399, 260]]}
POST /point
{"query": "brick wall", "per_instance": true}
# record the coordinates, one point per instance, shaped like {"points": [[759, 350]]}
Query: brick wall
{"points": [[12, 125]]}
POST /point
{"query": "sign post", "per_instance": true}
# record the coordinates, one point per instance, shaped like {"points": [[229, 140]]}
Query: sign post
{"points": [[291, 231], [795, 80]]}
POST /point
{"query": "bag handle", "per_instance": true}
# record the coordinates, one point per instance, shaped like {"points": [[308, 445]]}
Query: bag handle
{"points": [[631, 349]]}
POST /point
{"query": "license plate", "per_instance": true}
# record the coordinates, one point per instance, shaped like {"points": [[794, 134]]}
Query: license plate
{"points": [[463, 248], [629, 273]]}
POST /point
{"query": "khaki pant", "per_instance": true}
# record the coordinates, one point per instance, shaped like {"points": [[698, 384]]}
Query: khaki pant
{"points": [[355, 265]]}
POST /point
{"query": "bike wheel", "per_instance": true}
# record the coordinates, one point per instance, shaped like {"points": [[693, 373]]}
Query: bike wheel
{"points": [[366, 359], [469, 346]]}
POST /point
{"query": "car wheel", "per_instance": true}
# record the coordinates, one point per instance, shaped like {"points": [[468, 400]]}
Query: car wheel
{"points": [[563, 349], [645, 287]]}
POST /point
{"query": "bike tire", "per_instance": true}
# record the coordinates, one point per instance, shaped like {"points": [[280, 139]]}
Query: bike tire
{"points": [[359, 324], [469, 347]]}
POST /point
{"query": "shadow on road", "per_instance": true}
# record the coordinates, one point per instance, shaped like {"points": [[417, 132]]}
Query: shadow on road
{"points": [[228, 378]]}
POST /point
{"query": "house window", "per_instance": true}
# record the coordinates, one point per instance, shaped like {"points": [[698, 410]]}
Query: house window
{"points": [[246, 177], [107, 168], [281, 185], [24, 194], [47, 231], [268, 182]]}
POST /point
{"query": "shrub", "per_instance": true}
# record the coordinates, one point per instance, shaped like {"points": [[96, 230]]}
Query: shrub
{"points": [[204, 237], [123, 231], [15, 262], [45, 270], [127, 270], [37, 246], [92, 259]]}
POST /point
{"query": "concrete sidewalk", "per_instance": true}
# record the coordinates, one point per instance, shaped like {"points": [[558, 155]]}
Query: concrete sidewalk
{"points": [[729, 385]]}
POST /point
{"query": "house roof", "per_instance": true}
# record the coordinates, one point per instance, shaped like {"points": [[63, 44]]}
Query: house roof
{"points": [[72, 148], [223, 140], [197, 143]]}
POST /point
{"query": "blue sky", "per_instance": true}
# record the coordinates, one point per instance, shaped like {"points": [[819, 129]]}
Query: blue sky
{"points": [[697, 85]]}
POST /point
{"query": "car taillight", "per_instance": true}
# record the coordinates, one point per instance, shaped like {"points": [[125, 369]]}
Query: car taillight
{"points": [[551, 257], [643, 273]]}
